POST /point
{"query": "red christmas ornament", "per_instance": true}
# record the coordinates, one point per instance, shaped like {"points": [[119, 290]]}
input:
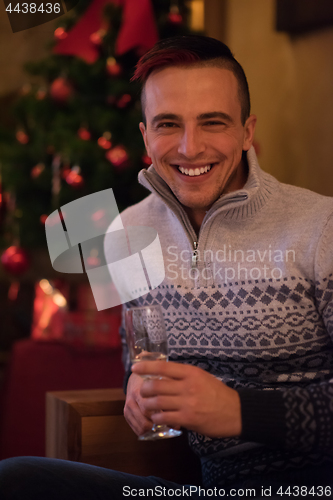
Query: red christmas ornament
{"points": [[146, 160], [22, 137], [15, 260], [60, 34], [74, 179], [61, 90], [117, 156], [174, 16], [65, 171], [124, 101], [84, 134], [99, 219], [104, 143], [97, 216], [112, 67], [97, 37], [37, 170]]}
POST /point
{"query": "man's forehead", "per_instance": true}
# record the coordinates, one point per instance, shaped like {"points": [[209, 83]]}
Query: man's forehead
{"points": [[199, 87], [190, 72]]}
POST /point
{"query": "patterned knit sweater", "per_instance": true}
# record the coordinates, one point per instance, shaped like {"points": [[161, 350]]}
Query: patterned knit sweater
{"points": [[250, 300]]}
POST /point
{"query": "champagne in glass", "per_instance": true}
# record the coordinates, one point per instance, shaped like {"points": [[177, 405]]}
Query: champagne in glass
{"points": [[147, 341]]}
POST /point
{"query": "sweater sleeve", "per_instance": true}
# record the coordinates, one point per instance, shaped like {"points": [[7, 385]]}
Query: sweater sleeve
{"points": [[298, 418]]}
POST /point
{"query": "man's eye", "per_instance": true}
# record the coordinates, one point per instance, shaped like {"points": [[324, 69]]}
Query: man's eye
{"points": [[214, 123], [166, 125]]}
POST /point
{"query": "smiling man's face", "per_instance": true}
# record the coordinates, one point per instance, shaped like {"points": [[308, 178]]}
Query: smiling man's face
{"points": [[194, 134]]}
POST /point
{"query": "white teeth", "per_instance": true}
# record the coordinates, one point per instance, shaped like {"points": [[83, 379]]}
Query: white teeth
{"points": [[195, 172]]}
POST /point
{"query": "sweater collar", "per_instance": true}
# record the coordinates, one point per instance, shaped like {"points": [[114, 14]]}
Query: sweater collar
{"points": [[235, 205]]}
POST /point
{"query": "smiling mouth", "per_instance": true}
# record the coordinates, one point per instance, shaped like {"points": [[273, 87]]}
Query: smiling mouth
{"points": [[195, 172]]}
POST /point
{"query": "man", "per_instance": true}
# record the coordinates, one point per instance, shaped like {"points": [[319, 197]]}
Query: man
{"points": [[255, 310], [247, 296]]}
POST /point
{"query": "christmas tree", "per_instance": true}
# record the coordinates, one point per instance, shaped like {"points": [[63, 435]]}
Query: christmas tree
{"points": [[77, 131]]}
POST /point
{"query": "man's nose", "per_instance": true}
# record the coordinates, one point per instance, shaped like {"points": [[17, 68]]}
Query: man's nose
{"points": [[191, 143]]}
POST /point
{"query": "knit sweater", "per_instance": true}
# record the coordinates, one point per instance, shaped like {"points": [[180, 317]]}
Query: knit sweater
{"points": [[250, 300]]}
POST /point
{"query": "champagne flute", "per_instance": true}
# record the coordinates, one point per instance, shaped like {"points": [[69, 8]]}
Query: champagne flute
{"points": [[147, 341]]}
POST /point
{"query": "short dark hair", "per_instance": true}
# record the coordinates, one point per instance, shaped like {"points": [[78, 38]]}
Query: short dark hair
{"points": [[196, 50]]}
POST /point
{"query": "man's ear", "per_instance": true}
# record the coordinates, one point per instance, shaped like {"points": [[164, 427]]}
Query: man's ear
{"points": [[143, 131], [249, 129]]}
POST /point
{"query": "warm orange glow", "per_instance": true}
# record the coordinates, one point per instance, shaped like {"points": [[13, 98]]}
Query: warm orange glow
{"points": [[197, 18]]}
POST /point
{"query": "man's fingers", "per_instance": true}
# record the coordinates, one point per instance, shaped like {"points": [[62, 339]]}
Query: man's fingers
{"points": [[163, 403], [164, 386], [171, 419], [136, 419], [161, 368], [135, 412]]}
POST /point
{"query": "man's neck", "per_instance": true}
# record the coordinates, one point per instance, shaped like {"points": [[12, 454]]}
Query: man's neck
{"points": [[196, 218]]}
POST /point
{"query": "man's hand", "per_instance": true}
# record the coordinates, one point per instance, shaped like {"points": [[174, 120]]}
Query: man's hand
{"points": [[189, 397], [134, 411]]}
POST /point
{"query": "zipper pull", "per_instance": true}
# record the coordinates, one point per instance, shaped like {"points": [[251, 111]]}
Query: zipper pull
{"points": [[194, 255]]}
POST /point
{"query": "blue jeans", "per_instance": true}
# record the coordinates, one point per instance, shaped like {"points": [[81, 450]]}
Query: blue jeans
{"points": [[35, 478]]}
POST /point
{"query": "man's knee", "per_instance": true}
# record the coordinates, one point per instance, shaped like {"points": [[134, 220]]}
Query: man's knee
{"points": [[15, 473]]}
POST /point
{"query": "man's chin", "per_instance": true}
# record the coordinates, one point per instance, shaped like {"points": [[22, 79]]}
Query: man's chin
{"points": [[195, 201], [194, 207]]}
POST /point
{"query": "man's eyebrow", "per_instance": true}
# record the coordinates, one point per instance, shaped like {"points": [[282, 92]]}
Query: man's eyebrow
{"points": [[215, 114], [165, 116], [203, 116]]}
